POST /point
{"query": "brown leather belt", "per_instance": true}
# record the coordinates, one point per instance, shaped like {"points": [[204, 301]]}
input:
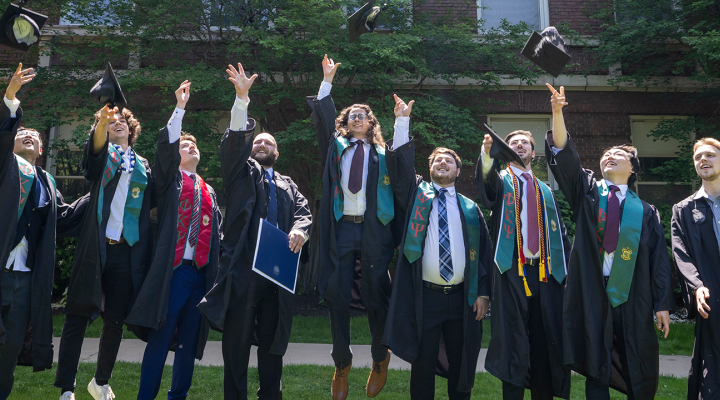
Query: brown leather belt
{"points": [[450, 289], [533, 262], [358, 219], [111, 241]]}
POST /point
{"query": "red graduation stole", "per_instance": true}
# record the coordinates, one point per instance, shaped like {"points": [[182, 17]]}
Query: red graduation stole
{"points": [[202, 248]]}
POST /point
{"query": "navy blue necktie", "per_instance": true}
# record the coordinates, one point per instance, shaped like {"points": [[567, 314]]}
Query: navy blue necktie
{"points": [[272, 205], [446, 267]]}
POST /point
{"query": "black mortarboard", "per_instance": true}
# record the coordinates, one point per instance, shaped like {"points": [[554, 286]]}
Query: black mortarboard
{"points": [[363, 20], [547, 50], [501, 150], [107, 89], [20, 27]]}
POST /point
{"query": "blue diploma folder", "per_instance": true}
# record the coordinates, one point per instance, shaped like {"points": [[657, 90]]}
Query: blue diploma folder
{"points": [[276, 261]]}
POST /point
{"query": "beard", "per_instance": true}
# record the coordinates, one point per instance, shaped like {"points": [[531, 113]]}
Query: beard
{"points": [[266, 160], [712, 177], [442, 179]]}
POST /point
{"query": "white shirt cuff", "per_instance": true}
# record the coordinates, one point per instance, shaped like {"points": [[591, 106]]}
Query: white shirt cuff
{"points": [[324, 91], [555, 150], [174, 125], [402, 132], [12, 105], [238, 115]]}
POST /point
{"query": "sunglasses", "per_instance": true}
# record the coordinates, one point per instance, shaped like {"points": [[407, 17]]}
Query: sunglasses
{"points": [[361, 117], [27, 133]]}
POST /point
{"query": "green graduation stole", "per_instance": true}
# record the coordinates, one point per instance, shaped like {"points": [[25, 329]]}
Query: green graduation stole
{"points": [[27, 179], [552, 256], [416, 231], [136, 190], [385, 209], [623, 267]]}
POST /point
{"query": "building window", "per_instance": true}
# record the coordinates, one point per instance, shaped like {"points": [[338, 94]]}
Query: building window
{"points": [[538, 125], [652, 187], [535, 13], [64, 161], [79, 14]]}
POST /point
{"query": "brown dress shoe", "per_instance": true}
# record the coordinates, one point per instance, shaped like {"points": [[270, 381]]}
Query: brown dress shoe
{"points": [[378, 376], [339, 388]]}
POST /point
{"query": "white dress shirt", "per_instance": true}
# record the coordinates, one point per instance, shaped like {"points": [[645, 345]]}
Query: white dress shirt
{"points": [[238, 114], [487, 163], [431, 252], [12, 105], [189, 253], [608, 260]]}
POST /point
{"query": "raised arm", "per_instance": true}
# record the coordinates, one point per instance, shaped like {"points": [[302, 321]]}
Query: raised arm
{"points": [[323, 107], [400, 155], [11, 114], [167, 154], [574, 181], [558, 102], [236, 144], [487, 175]]}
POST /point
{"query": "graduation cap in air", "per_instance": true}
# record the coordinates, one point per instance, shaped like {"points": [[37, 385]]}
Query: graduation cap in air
{"points": [[363, 20], [501, 150], [107, 89], [547, 50], [20, 27]]}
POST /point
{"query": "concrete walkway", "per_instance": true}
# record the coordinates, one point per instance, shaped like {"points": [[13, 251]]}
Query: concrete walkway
{"points": [[131, 350]]}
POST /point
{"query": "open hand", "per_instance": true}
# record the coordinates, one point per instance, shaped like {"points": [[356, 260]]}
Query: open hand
{"points": [[557, 101], [663, 321], [241, 82], [402, 109], [329, 69], [700, 298], [480, 307], [19, 78], [297, 240], [183, 94]]}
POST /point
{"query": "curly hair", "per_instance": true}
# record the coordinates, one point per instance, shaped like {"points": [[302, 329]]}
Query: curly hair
{"points": [[373, 134], [133, 124]]}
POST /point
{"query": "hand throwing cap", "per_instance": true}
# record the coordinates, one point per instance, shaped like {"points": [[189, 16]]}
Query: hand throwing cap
{"points": [[501, 150], [547, 50], [20, 27], [107, 89], [363, 20]]}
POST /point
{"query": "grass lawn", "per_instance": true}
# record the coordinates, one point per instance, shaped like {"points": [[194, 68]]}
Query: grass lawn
{"points": [[317, 330], [299, 382]]}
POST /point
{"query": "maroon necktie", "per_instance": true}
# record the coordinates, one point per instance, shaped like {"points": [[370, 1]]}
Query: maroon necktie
{"points": [[356, 168], [532, 215], [612, 228]]}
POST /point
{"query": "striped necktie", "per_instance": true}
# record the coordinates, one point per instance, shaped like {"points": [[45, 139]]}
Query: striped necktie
{"points": [[446, 267], [195, 219]]}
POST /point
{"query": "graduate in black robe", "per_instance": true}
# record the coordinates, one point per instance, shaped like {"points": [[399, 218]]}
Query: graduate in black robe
{"points": [[612, 342], [696, 248], [107, 272], [243, 303], [435, 323], [364, 209], [164, 313], [29, 264], [525, 348]]}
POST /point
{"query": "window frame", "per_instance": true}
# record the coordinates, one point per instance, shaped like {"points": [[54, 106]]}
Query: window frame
{"points": [[543, 10]]}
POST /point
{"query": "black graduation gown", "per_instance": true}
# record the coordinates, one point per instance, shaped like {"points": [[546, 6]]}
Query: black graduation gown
{"points": [[247, 196], [508, 356], [151, 305], [696, 252], [64, 218], [85, 295], [374, 232], [588, 334], [403, 329]]}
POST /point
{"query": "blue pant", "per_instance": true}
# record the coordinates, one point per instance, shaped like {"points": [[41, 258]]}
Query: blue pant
{"points": [[187, 288]]}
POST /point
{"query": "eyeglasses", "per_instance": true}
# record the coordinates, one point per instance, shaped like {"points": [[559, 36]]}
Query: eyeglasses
{"points": [[361, 117], [27, 133]]}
